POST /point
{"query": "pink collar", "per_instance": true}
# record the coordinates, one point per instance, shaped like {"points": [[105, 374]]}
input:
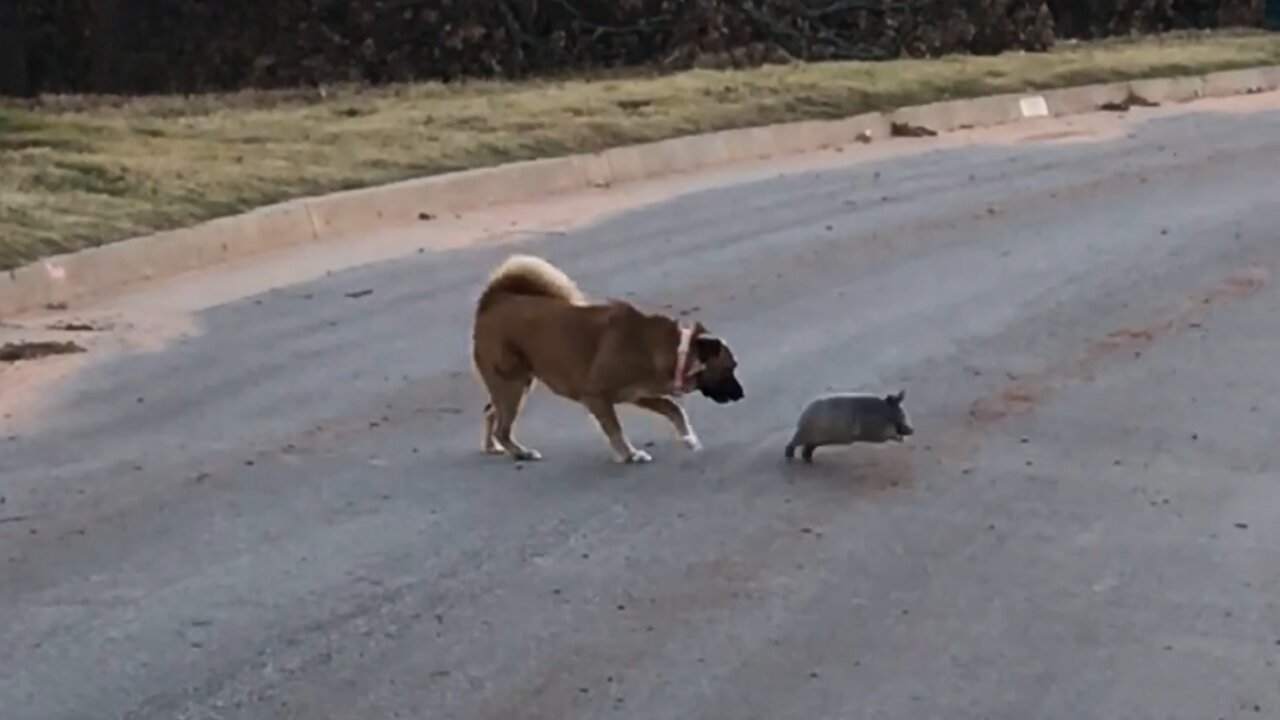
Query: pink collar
{"points": [[684, 369]]}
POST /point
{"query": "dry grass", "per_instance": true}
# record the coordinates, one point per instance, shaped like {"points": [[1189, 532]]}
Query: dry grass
{"points": [[77, 172]]}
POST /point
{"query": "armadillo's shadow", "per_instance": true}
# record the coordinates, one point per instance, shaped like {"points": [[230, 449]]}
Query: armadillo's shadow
{"points": [[856, 469]]}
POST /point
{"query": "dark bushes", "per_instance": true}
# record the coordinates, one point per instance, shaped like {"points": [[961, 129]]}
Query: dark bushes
{"points": [[1091, 19], [144, 46]]}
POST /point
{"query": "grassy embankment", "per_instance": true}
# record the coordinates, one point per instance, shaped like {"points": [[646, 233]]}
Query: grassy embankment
{"points": [[77, 172]]}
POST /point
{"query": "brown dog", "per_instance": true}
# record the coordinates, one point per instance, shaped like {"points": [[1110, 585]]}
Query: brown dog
{"points": [[533, 323]]}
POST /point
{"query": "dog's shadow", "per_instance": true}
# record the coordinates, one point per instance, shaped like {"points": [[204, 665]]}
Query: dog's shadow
{"points": [[573, 464]]}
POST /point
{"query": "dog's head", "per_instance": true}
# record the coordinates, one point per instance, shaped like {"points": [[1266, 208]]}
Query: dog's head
{"points": [[897, 418], [715, 378]]}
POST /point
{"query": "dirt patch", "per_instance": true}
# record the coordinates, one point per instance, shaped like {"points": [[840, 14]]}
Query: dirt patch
{"points": [[1024, 394], [26, 387], [19, 351], [78, 326], [35, 360], [1019, 397], [902, 129], [1132, 100]]}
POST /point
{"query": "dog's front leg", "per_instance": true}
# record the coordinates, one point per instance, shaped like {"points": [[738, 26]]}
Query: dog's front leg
{"points": [[671, 410], [606, 414]]}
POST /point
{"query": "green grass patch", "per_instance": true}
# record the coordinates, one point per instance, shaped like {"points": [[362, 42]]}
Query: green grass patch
{"points": [[78, 171]]}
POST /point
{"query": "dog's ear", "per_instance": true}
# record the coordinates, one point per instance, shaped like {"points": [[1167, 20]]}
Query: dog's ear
{"points": [[698, 329], [896, 400], [706, 347]]}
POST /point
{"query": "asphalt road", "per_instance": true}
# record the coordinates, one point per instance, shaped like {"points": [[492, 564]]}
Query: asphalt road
{"points": [[288, 516]]}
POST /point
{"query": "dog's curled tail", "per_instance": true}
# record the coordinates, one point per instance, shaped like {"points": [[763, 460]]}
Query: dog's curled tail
{"points": [[529, 275]]}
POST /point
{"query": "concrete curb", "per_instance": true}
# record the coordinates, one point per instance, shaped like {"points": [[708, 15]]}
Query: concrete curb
{"points": [[67, 277]]}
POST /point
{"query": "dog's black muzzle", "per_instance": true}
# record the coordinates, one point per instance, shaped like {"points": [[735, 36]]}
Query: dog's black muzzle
{"points": [[723, 391]]}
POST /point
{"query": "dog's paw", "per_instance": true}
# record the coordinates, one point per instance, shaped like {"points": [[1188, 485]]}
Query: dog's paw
{"points": [[692, 442], [527, 455], [636, 457]]}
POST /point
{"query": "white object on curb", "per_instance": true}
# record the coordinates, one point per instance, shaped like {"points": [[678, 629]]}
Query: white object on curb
{"points": [[56, 272], [1034, 106]]}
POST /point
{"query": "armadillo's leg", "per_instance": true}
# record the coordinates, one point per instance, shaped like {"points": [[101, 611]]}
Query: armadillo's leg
{"points": [[795, 442]]}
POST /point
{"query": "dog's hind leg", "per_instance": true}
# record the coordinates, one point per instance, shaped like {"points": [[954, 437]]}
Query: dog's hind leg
{"points": [[508, 395], [671, 410], [491, 383], [607, 415], [491, 445]]}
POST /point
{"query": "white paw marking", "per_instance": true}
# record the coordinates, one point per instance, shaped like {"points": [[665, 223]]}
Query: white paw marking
{"points": [[636, 457], [529, 455], [692, 442]]}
